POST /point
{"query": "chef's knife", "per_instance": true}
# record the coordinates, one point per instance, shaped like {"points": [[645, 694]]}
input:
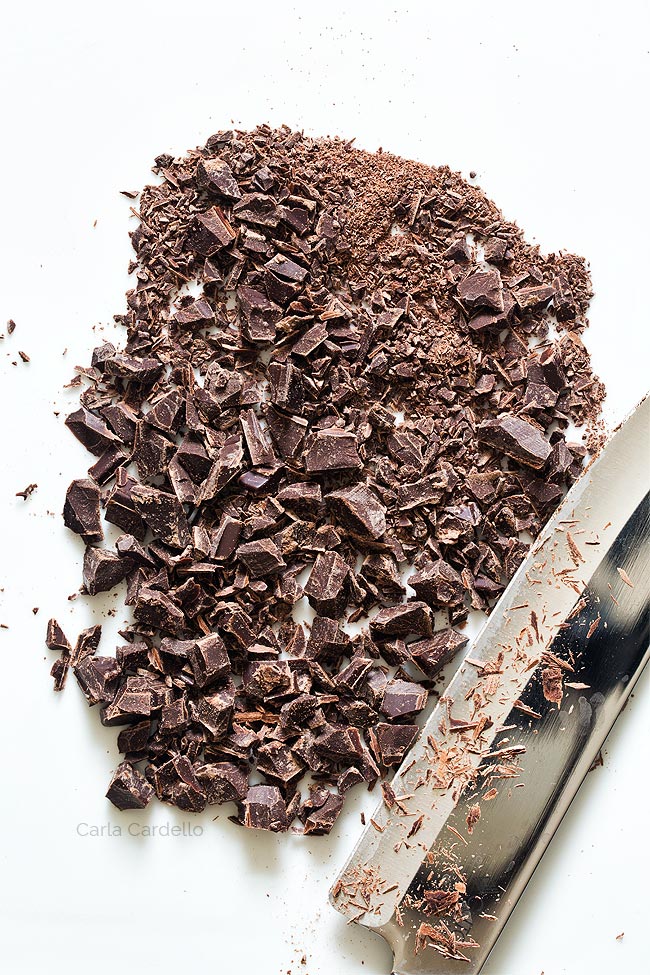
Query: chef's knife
{"points": [[477, 800]]}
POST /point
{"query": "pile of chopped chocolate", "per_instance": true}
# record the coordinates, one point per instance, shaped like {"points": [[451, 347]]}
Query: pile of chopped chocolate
{"points": [[341, 368]]}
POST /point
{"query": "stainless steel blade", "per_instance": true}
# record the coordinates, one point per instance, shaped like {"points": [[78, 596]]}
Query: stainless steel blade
{"points": [[567, 597]]}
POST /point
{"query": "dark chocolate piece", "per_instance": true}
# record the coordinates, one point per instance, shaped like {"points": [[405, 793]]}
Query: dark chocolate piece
{"points": [[103, 570], [331, 450], [359, 510], [402, 620], [164, 515], [517, 438], [81, 510], [128, 788]]}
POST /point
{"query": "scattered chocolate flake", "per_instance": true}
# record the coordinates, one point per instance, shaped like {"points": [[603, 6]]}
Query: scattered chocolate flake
{"points": [[11, 327], [552, 684], [332, 369], [473, 816], [625, 577], [26, 492]]}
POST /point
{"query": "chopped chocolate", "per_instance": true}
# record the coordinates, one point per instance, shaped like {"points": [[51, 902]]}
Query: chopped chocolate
{"points": [[103, 570], [517, 438], [433, 653], [261, 558], [264, 808], [403, 698], [327, 587], [163, 514], [359, 510], [392, 742], [81, 510], [128, 788], [335, 364], [402, 620], [331, 450]]}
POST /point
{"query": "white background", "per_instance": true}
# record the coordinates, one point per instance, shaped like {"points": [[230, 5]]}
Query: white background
{"points": [[548, 103]]}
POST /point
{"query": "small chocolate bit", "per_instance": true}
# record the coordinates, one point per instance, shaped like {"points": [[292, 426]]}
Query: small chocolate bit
{"points": [[402, 698], [257, 208], [552, 684], [210, 233], [401, 620], [103, 570], [533, 297], [331, 450], [128, 788], [428, 490], [214, 712], [392, 741], [103, 470], [155, 609], [174, 716], [81, 510], [91, 431], [134, 739], [121, 509], [132, 702], [327, 587], [327, 640], [217, 176], [260, 315], [304, 499], [195, 315], [222, 782], [209, 660], [264, 808], [286, 268], [359, 510], [321, 820], [87, 644], [433, 653], [261, 558], [438, 584], [59, 671], [482, 289], [340, 743], [276, 761], [131, 368], [55, 638], [164, 515], [517, 438], [167, 412], [257, 441], [97, 677]]}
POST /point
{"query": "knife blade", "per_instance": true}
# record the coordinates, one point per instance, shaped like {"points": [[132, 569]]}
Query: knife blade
{"points": [[481, 793]]}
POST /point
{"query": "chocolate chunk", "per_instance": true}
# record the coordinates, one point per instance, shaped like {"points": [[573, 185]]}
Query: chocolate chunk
{"points": [[331, 450], [517, 438], [327, 587], [97, 677], [56, 639], [155, 609], [222, 782], [261, 558], [359, 510], [428, 490], [321, 820], [194, 315], [257, 441], [326, 640], [286, 268], [482, 289], [102, 570], [209, 660], [304, 499], [401, 620], [121, 509], [403, 698], [277, 762], [392, 742], [174, 716], [257, 208], [132, 368], [134, 740], [217, 176], [128, 788], [91, 431], [164, 515], [438, 584], [533, 297], [210, 233], [433, 653], [87, 644], [264, 808], [259, 315]]}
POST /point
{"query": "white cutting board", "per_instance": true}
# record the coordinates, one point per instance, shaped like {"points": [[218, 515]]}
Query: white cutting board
{"points": [[548, 105]]}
